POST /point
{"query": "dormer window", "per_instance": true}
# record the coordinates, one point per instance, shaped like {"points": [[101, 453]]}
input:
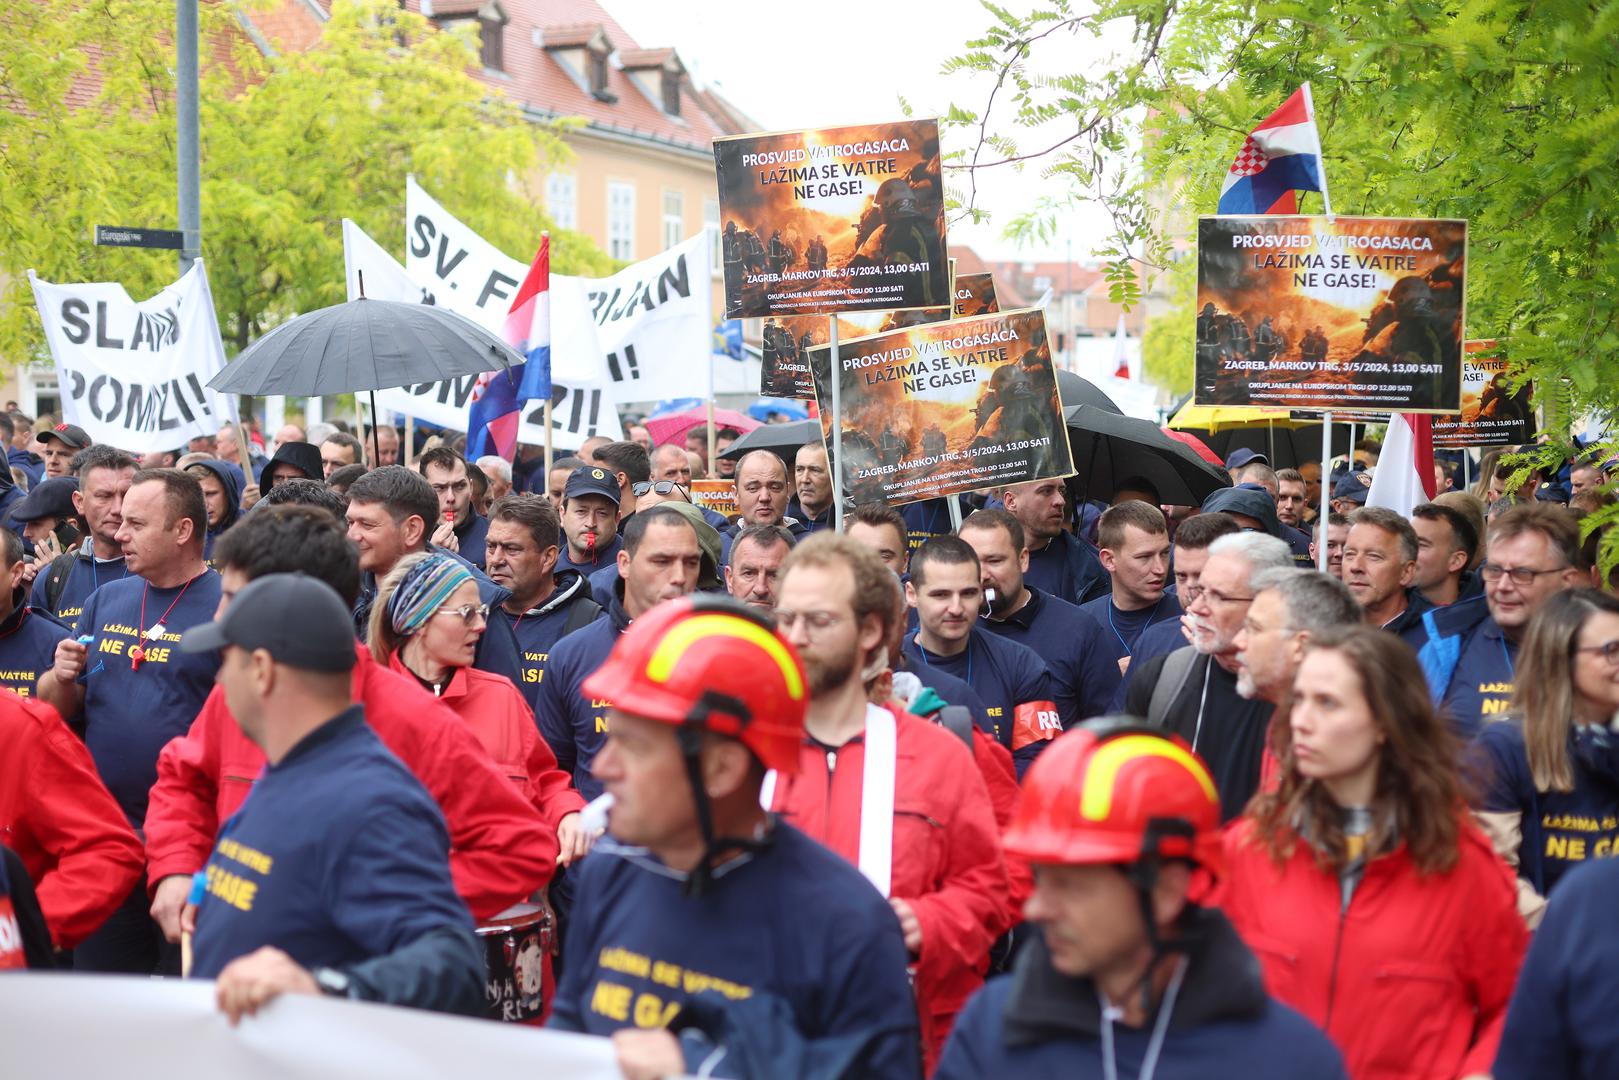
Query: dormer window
{"points": [[491, 36], [597, 66]]}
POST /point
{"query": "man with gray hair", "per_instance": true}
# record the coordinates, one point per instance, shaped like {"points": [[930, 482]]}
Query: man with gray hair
{"points": [[1289, 608], [1380, 568], [499, 472], [1193, 690]]}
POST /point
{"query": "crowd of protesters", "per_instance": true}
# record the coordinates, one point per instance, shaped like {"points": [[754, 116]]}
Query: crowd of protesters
{"points": [[1114, 789]]}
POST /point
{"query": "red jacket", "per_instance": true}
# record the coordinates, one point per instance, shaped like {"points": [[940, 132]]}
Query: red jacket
{"points": [[946, 857], [1412, 980], [1000, 777], [59, 818], [500, 850], [494, 710]]}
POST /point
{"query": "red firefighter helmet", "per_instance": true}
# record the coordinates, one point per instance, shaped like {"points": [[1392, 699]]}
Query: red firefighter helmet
{"points": [[710, 662], [1112, 792]]}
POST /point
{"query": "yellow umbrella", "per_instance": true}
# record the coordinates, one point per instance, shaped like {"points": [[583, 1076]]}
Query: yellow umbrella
{"points": [[1216, 418]]}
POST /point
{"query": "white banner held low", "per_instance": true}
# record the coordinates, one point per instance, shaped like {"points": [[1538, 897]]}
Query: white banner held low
{"points": [[579, 411], [135, 374], [168, 1028]]}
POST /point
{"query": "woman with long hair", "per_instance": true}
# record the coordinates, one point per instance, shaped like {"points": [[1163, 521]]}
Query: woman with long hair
{"points": [[1487, 466], [1548, 773], [1375, 905], [426, 623]]}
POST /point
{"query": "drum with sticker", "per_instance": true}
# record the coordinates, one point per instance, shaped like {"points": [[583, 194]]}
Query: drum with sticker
{"points": [[518, 944]]}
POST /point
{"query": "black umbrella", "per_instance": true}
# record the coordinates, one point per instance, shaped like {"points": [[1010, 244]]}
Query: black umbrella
{"points": [[1285, 447], [1109, 448], [1080, 391], [364, 345], [782, 439]]}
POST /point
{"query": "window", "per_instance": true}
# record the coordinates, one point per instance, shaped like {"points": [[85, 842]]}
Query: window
{"points": [[598, 73], [491, 32], [621, 220], [711, 222], [671, 92], [674, 219], [562, 199]]}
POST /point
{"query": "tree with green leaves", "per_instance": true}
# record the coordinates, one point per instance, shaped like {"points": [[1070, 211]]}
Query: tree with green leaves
{"points": [[1503, 112], [292, 143]]}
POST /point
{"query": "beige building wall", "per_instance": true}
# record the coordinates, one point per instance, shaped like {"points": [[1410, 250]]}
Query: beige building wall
{"points": [[601, 162]]}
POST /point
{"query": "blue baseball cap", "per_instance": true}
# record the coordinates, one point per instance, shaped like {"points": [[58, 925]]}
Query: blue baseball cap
{"points": [[591, 480]]}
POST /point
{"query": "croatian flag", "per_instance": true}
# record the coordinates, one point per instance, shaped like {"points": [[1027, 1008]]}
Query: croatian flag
{"points": [[499, 396], [1281, 156], [1404, 477]]}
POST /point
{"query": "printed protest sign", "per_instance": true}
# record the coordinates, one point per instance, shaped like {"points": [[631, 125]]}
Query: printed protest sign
{"points": [[975, 295], [1330, 313], [946, 407], [833, 219], [1493, 414], [716, 495], [135, 374]]}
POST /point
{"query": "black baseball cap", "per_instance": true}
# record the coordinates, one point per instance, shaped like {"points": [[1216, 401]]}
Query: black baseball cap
{"points": [[1242, 455], [299, 620], [52, 498], [72, 436], [1354, 486], [591, 480]]}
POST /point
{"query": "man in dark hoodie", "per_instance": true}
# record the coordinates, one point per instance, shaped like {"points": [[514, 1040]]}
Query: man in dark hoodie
{"points": [[62, 587], [222, 483], [293, 459], [1117, 820], [520, 551], [1254, 510], [27, 637]]}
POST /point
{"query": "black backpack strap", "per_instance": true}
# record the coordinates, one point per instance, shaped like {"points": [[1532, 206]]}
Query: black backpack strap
{"points": [[582, 613], [958, 720]]}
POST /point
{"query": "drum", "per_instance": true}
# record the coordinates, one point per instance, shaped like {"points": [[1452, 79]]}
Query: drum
{"points": [[517, 947]]}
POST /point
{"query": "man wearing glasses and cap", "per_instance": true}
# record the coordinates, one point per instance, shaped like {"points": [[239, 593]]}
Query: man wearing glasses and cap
{"points": [[334, 877]]}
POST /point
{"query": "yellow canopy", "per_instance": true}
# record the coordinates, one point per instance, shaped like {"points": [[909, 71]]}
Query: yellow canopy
{"points": [[1215, 418]]}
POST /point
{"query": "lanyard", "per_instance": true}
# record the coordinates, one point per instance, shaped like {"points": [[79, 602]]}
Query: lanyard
{"points": [[138, 653], [1111, 625]]}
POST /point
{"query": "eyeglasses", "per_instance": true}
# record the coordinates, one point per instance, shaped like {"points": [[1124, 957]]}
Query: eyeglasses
{"points": [[1520, 575], [1608, 650], [661, 487], [469, 613], [814, 621], [1188, 592], [1220, 598]]}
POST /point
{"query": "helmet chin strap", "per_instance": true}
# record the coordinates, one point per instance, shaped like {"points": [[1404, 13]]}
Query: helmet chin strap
{"points": [[1143, 873], [689, 736]]}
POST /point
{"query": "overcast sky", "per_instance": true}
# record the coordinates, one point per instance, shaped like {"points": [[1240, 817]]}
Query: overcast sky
{"points": [[834, 62]]}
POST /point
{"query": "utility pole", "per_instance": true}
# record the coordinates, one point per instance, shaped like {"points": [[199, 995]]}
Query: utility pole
{"points": [[185, 108]]}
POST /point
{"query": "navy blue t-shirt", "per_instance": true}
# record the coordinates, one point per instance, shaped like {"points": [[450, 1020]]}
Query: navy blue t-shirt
{"points": [[1159, 639], [538, 629], [470, 537], [606, 556], [1069, 569], [1122, 629], [338, 856], [1560, 1024], [793, 920], [1481, 686], [924, 520], [1005, 675], [86, 576], [573, 724], [28, 641], [1072, 645], [1561, 829], [131, 713]]}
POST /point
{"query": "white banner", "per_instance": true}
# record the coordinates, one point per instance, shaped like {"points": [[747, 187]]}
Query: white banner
{"points": [[162, 1028], [578, 411], [655, 323], [135, 375]]}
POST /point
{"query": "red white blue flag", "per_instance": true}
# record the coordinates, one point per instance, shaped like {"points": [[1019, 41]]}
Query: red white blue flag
{"points": [[499, 396], [1280, 156]]}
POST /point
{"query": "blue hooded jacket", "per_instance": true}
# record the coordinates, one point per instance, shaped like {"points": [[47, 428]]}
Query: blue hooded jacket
{"points": [[230, 477]]}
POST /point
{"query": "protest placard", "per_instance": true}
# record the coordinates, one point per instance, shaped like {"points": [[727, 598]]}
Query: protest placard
{"points": [[135, 374], [1330, 313], [833, 219], [946, 407], [1493, 413], [716, 495], [975, 295]]}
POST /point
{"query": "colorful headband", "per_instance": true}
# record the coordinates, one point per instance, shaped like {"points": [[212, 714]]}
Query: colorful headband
{"points": [[424, 590]]}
